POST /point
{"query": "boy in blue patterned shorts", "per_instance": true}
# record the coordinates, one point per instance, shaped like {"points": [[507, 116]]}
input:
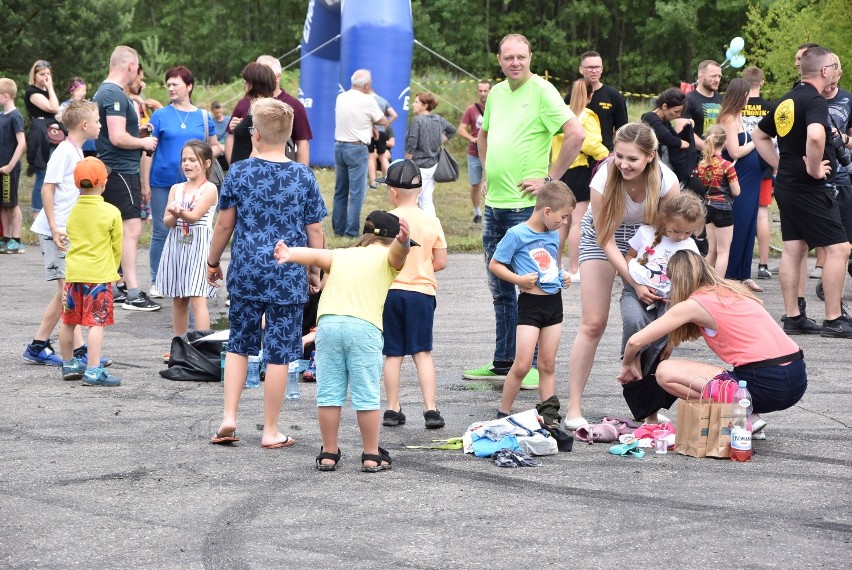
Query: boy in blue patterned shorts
{"points": [[527, 257], [265, 198], [94, 233]]}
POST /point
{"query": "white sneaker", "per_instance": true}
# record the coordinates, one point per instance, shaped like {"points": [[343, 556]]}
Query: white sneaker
{"points": [[154, 293], [816, 273]]}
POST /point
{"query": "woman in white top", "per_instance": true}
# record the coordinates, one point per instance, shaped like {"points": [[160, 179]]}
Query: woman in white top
{"points": [[626, 192]]}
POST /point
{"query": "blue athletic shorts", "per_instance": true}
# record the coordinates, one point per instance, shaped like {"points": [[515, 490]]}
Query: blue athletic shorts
{"points": [[282, 339], [408, 320]]}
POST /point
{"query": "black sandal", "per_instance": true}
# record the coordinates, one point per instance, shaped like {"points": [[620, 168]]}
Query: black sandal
{"points": [[328, 455], [383, 461]]}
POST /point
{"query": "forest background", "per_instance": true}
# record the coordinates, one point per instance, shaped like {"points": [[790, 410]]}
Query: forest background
{"points": [[647, 45]]}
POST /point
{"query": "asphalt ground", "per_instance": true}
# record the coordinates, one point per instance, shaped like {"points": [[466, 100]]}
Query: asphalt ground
{"points": [[127, 478]]}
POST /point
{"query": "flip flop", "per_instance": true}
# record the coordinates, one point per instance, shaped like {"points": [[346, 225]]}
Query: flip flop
{"points": [[752, 286], [627, 450], [597, 433], [286, 442], [219, 439]]}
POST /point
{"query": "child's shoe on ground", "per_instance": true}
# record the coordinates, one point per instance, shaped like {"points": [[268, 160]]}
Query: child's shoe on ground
{"points": [[73, 369], [393, 418], [99, 377], [42, 354], [82, 353], [433, 419]]}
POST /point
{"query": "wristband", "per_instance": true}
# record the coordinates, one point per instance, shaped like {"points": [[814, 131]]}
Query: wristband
{"points": [[213, 266]]}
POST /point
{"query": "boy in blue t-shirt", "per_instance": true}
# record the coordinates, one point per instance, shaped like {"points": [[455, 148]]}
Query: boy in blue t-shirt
{"points": [[265, 198], [527, 256]]}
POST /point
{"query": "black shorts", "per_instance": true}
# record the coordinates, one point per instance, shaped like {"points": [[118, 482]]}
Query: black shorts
{"points": [[578, 179], [124, 191], [844, 201], [9, 188], [813, 217], [379, 145], [720, 215], [539, 311]]}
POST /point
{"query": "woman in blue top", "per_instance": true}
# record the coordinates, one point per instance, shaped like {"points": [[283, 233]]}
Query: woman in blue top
{"points": [[739, 149], [173, 126]]}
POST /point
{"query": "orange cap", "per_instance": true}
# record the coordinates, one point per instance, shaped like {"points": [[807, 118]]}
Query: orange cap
{"points": [[90, 173]]}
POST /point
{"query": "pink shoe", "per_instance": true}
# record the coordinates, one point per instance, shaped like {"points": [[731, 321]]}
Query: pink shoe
{"points": [[597, 433]]}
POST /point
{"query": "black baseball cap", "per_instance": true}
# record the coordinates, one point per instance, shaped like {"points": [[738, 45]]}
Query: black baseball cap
{"points": [[402, 173], [383, 224]]}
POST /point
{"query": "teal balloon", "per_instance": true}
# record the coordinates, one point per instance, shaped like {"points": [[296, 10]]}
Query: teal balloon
{"points": [[737, 45], [729, 55], [738, 61]]}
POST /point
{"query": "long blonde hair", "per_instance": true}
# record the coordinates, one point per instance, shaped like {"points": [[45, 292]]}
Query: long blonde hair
{"points": [[612, 208], [688, 272], [714, 142], [581, 91]]}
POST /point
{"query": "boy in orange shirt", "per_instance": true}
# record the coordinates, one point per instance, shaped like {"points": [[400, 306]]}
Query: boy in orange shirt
{"points": [[409, 311]]}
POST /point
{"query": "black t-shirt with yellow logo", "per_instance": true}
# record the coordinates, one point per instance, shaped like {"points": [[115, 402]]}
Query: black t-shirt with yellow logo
{"points": [[789, 121]]}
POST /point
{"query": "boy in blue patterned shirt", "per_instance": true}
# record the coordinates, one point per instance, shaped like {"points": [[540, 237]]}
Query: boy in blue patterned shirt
{"points": [[528, 256], [264, 199]]}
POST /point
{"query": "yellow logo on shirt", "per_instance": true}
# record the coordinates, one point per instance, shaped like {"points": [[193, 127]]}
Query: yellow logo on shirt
{"points": [[784, 116]]}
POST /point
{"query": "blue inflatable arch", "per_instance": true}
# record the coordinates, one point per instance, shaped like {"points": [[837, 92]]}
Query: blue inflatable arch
{"points": [[341, 36]]}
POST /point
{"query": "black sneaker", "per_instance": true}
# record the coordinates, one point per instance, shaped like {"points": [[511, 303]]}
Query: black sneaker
{"points": [[393, 418], [803, 305], [838, 328], [119, 296], [500, 415], [763, 272], [433, 419], [477, 219], [141, 303], [801, 325]]}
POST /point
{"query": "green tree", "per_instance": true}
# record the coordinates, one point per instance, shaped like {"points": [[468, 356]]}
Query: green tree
{"points": [[71, 36]]}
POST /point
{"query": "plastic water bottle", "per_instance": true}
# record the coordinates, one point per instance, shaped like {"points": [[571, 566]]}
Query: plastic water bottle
{"points": [[740, 426], [222, 356], [292, 392], [253, 376]]}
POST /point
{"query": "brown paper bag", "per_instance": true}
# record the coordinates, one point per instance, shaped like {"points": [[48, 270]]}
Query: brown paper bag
{"points": [[719, 430], [693, 421]]}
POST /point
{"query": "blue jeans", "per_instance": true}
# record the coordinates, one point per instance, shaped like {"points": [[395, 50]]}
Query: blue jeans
{"points": [[350, 187], [495, 224], [37, 184], [159, 197]]}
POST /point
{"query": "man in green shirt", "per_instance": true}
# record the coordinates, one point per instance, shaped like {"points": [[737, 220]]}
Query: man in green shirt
{"points": [[522, 114]]}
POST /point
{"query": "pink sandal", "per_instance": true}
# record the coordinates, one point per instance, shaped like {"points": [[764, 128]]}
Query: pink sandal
{"points": [[624, 425]]}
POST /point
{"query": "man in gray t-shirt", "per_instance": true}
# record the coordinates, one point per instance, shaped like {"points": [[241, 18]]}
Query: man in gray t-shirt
{"points": [[120, 148]]}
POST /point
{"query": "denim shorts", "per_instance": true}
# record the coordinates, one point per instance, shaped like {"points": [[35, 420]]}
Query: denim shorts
{"points": [[474, 170], [349, 358], [282, 339], [54, 260], [775, 387], [407, 320]]}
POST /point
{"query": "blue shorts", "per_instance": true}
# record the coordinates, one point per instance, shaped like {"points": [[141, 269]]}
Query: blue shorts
{"points": [[408, 320], [775, 387], [474, 170], [282, 339], [349, 357]]}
